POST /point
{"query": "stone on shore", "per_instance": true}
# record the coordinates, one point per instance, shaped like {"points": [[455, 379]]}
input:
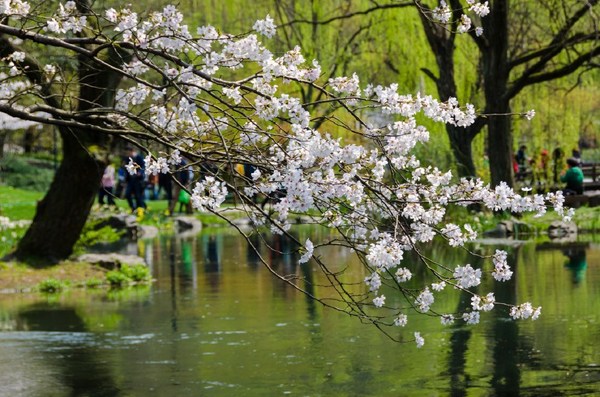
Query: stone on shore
{"points": [[111, 261]]}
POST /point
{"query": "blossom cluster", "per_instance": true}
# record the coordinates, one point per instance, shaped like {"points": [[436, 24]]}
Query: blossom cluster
{"points": [[443, 14]]}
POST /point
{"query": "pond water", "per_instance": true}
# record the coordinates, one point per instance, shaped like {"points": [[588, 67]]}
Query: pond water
{"points": [[217, 323]]}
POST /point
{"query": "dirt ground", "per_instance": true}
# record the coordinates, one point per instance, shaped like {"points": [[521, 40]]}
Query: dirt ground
{"points": [[16, 277]]}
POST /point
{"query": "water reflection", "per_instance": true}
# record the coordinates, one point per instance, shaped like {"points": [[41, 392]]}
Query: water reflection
{"points": [[220, 324], [506, 378], [81, 368], [576, 263]]}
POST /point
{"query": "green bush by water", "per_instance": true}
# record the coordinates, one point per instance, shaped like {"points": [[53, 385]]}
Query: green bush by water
{"points": [[128, 274], [51, 286]]}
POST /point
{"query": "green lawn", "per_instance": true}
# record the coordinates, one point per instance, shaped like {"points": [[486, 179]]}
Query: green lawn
{"points": [[18, 203]]}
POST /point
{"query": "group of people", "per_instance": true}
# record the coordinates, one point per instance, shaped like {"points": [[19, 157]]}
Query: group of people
{"points": [[538, 168], [133, 186]]}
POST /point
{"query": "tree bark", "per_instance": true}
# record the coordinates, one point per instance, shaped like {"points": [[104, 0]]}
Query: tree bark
{"points": [[496, 73], [442, 45], [500, 151], [461, 145], [62, 213]]}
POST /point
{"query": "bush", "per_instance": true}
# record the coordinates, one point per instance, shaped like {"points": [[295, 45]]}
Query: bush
{"points": [[93, 283], [117, 279], [51, 286], [128, 274], [137, 273], [24, 173], [91, 236]]}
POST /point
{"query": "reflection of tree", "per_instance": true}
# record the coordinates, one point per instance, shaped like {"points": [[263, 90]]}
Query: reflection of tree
{"points": [[458, 350], [459, 344], [309, 287], [211, 256], [577, 263], [253, 251], [504, 337], [188, 274], [506, 379], [82, 368], [283, 258]]}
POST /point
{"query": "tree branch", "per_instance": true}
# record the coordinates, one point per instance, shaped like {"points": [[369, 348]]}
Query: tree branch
{"points": [[377, 7], [556, 45], [32, 70], [524, 81]]}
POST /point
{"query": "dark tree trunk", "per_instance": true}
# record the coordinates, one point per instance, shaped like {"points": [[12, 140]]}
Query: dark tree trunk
{"points": [[500, 150], [461, 145], [3, 136], [496, 72], [441, 42], [62, 213], [28, 139]]}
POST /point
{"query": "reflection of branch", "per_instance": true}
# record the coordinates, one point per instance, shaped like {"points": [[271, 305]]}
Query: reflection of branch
{"points": [[377, 7]]}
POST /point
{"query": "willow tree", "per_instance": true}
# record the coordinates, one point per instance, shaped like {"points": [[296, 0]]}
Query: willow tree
{"points": [[515, 45], [518, 44], [222, 99]]}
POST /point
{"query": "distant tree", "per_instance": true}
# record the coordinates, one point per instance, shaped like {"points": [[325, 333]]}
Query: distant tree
{"points": [[222, 100], [517, 44]]}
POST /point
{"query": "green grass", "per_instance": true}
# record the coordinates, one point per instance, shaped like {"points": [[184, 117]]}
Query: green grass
{"points": [[18, 203]]}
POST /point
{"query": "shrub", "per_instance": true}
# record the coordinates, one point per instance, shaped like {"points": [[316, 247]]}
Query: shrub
{"points": [[93, 283], [137, 273], [51, 286], [128, 274], [21, 173], [117, 279]]}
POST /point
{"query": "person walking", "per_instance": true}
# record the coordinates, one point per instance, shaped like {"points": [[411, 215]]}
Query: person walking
{"points": [[135, 181], [107, 185]]}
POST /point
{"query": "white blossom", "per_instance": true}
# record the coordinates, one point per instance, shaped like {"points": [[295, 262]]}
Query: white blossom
{"points": [[480, 9], [471, 317], [530, 114], [485, 303], [131, 167], [424, 300], [464, 24], [309, 252], [467, 277], [401, 320], [403, 274], [501, 271], [442, 13], [419, 340], [379, 301], [373, 281], [525, 311], [266, 26], [208, 194], [447, 319]]}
